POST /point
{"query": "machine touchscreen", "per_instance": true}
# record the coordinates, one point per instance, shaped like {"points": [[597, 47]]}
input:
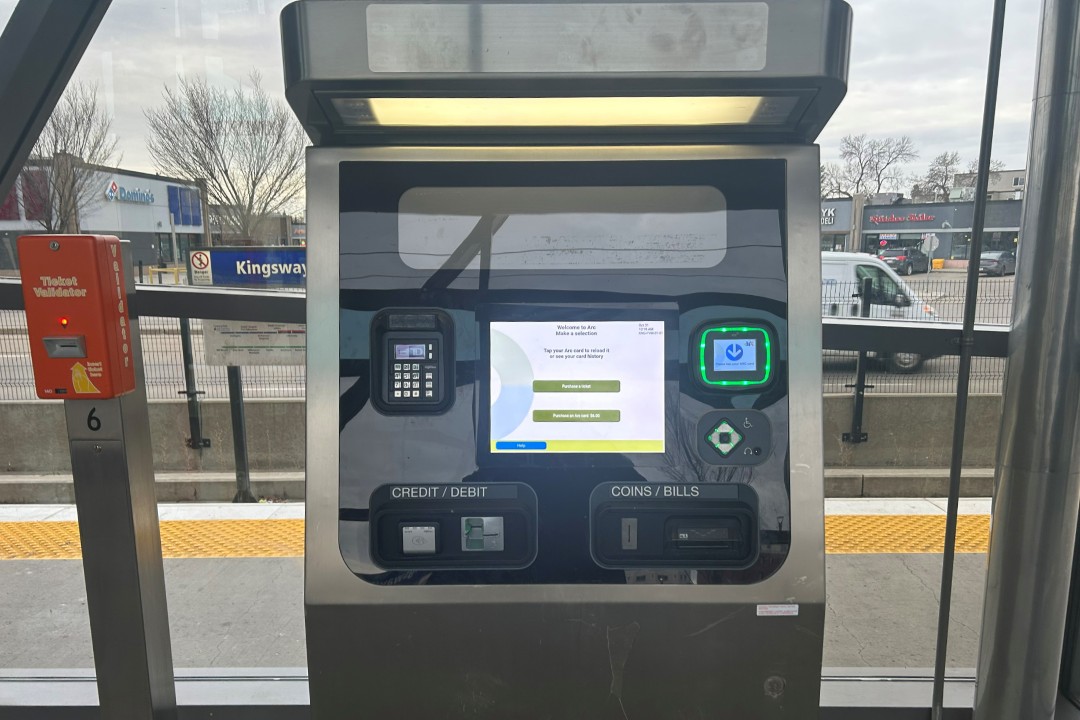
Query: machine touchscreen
{"points": [[577, 387]]}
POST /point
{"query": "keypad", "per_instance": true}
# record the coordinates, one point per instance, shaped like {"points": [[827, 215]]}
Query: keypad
{"points": [[415, 381]]}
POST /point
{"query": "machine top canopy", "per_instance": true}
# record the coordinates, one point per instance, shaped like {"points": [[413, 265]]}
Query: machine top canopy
{"points": [[380, 73]]}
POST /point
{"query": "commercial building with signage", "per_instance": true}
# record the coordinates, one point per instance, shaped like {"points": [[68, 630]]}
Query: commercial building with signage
{"points": [[162, 217], [943, 230], [837, 221]]}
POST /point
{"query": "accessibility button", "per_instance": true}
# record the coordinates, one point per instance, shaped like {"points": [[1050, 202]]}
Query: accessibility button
{"points": [[724, 437]]}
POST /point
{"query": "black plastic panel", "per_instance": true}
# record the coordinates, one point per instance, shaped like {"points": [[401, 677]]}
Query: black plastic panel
{"points": [[431, 527], [424, 386], [674, 526]]}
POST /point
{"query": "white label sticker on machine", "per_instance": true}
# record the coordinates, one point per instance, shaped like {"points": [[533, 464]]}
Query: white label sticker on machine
{"points": [[777, 610]]}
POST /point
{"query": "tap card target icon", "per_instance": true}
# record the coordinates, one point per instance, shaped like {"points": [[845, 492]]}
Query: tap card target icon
{"points": [[734, 356]]}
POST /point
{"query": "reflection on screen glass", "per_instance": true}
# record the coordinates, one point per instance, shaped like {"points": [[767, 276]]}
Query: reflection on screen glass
{"points": [[577, 387], [567, 227]]}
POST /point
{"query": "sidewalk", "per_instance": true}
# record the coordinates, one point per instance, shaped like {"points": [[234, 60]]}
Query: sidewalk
{"points": [[289, 486]]}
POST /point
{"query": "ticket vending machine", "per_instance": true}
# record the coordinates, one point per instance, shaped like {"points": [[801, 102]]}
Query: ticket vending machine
{"points": [[564, 394]]}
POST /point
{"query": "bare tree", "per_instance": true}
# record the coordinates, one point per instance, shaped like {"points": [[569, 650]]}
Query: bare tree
{"points": [[869, 165], [941, 176], [59, 182], [832, 184], [247, 146], [944, 174], [968, 179]]}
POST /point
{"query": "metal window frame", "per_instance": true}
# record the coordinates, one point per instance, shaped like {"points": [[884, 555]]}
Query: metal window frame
{"points": [[41, 46]]}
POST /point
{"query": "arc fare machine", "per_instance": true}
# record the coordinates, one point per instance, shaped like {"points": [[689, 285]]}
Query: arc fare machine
{"points": [[564, 398]]}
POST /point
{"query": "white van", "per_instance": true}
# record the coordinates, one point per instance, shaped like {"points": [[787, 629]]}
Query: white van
{"points": [[891, 299]]}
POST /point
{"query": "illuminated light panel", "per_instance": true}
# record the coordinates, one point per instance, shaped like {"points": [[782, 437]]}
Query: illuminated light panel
{"points": [[736, 383], [560, 111]]}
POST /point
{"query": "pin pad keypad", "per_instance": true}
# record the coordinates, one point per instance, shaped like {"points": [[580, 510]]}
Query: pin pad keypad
{"points": [[415, 371]]}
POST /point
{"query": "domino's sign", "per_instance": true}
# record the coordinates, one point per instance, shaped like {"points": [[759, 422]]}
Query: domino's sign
{"points": [[118, 193], [250, 267]]}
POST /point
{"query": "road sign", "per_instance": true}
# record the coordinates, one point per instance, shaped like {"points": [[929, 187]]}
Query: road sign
{"points": [[258, 267], [200, 268]]}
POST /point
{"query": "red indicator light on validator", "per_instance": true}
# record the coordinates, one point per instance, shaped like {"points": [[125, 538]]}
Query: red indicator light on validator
{"points": [[63, 322]]}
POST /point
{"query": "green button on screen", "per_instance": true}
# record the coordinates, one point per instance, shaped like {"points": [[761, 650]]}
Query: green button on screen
{"points": [[576, 386], [576, 416]]}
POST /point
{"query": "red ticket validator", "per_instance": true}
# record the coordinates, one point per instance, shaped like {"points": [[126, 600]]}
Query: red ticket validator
{"points": [[77, 317]]}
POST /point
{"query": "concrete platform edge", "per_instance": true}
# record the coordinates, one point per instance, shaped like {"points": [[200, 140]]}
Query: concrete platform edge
{"points": [[220, 487]]}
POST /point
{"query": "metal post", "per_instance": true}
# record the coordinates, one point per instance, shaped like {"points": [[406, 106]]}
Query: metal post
{"points": [[141, 280], [204, 196], [113, 468], [66, 193], [967, 344], [855, 241], [195, 441], [857, 435], [175, 245], [1038, 465], [239, 433]]}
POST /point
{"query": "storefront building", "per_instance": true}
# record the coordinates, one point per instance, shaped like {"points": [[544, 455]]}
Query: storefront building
{"points": [[942, 230], [161, 217], [837, 217]]}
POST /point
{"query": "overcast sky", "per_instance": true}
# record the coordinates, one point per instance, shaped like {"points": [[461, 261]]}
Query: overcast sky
{"points": [[918, 67]]}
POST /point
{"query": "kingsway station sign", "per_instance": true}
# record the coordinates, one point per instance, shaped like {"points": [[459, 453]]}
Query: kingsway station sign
{"points": [[251, 343], [254, 267]]}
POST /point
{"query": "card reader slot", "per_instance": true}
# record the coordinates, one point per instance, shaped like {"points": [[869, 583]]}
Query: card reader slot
{"points": [[68, 346], [720, 537], [721, 534], [453, 536]]}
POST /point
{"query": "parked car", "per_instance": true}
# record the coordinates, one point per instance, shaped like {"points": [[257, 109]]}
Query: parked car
{"points": [[906, 260], [891, 299], [997, 262]]}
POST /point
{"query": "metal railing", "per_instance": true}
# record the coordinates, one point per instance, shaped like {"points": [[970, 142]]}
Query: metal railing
{"points": [[162, 361], [162, 306], [942, 292]]}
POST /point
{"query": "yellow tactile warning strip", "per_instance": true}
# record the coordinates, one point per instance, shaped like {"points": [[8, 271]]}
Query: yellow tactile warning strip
{"points": [[179, 539], [844, 534], [903, 534]]}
